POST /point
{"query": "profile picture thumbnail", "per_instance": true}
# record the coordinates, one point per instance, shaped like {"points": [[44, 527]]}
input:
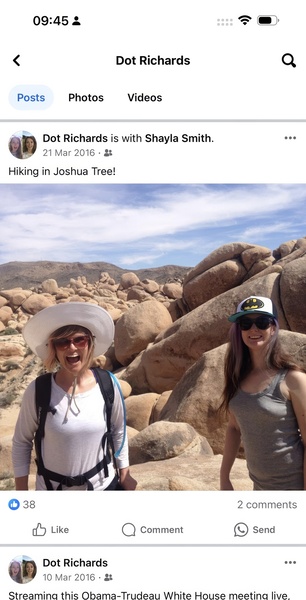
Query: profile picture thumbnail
{"points": [[22, 569], [22, 144]]}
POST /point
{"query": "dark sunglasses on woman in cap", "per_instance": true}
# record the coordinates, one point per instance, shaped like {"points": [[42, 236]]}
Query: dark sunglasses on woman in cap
{"points": [[263, 322]]}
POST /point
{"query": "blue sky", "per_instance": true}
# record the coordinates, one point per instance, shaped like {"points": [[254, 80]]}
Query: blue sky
{"points": [[136, 226]]}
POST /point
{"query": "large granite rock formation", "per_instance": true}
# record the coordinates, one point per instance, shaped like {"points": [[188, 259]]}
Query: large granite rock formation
{"points": [[168, 352]]}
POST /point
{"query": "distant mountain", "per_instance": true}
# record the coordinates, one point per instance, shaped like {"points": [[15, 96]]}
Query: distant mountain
{"points": [[31, 274]]}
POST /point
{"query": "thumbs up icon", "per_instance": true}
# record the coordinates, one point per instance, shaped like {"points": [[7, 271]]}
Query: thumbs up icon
{"points": [[39, 530], [14, 504]]}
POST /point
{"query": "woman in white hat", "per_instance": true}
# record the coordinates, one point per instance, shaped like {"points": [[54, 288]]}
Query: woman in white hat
{"points": [[71, 456], [15, 571], [265, 399]]}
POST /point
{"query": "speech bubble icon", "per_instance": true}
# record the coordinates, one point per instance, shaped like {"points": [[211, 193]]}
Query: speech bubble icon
{"points": [[128, 529], [240, 530]]}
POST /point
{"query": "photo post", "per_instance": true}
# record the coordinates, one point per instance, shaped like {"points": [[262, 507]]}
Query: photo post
{"points": [[152, 301]]}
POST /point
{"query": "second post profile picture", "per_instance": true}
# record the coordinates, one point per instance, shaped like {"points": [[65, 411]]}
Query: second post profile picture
{"points": [[22, 569], [22, 144]]}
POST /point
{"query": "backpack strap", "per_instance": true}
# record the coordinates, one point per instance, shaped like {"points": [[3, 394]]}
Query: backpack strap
{"points": [[105, 382], [42, 401]]}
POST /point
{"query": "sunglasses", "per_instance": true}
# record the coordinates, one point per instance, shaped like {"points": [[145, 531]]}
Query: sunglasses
{"points": [[261, 323], [80, 341]]}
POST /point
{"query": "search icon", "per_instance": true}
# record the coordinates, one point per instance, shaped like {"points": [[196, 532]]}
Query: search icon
{"points": [[288, 59]]}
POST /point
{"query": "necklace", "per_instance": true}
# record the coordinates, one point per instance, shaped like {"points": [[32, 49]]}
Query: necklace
{"points": [[71, 398]]}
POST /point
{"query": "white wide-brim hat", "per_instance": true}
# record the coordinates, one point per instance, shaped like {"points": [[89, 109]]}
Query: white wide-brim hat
{"points": [[39, 328]]}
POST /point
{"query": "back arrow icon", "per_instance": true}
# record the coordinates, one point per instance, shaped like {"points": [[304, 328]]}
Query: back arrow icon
{"points": [[15, 60]]}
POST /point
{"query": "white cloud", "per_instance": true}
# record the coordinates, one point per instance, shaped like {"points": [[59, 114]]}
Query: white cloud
{"points": [[262, 231], [141, 224], [134, 259]]}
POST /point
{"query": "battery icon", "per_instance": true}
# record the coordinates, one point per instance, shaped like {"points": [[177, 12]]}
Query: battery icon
{"points": [[267, 20]]}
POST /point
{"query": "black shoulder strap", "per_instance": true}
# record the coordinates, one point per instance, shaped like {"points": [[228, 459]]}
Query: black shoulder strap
{"points": [[105, 382], [42, 401]]}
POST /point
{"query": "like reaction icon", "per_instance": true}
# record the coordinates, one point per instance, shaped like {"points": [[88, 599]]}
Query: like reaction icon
{"points": [[14, 504], [39, 530]]}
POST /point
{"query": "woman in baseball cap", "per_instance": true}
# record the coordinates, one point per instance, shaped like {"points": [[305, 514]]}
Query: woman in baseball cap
{"points": [[265, 399], [67, 337]]}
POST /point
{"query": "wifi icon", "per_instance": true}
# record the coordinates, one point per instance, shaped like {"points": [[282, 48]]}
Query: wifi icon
{"points": [[244, 19]]}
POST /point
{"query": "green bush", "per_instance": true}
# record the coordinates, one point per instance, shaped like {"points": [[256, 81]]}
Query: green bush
{"points": [[9, 331], [6, 475], [6, 398]]}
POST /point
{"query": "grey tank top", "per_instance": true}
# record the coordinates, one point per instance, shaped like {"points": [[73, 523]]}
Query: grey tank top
{"points": [[270, 436]]}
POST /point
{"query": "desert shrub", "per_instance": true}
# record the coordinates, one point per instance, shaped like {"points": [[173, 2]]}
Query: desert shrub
{"points": [[7, 484], [6, 398], [9, 331], [28, 351], [10, 365], [6, 475]]}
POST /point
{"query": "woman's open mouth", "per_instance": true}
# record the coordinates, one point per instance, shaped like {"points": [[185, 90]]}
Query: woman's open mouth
{"points": [[72, 360]]}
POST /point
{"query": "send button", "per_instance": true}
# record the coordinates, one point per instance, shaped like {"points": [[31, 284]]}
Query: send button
{"points": [[31, 97]]}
